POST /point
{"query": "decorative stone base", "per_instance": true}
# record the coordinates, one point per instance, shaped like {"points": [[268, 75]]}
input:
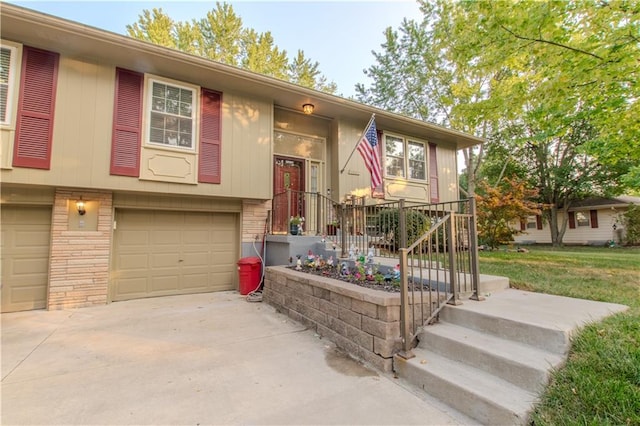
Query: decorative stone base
{"points": [[363, 322]]}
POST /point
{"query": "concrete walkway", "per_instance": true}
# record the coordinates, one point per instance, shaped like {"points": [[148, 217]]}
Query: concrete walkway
{"points": [[197, 359]]}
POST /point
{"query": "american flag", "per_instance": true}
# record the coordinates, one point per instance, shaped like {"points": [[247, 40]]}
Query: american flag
{"points": [[368, 148]]}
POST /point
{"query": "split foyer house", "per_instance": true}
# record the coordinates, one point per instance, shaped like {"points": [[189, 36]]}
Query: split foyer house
{"points": [[131, 170], [593, 221]]}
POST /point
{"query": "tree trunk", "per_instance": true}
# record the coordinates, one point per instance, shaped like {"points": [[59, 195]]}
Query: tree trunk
{"points": [[556, 228]]}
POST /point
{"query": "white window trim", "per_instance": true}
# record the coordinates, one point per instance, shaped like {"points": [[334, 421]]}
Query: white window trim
{"points": [[149, 79], [9, 121], [405, 141]]}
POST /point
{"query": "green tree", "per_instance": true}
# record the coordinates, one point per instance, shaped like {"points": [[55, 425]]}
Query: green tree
{"points": [[221, 36], [555, 83], [155, 27], [306, 73], [631, 222]]}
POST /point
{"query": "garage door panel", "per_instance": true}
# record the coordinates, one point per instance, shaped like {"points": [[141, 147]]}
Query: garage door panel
{"points": [[187, 252], [133, 238], [26, 236], [160, 260], [32, 238], [133, 262], [36, 267], [134, 286], [165, 283], [196, 281], [196, 237], [166, 237]]}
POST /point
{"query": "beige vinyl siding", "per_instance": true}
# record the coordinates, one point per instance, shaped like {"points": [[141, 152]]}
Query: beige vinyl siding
{"points": [[26, 237], [356, 179], [578, 235], [356, 175], [82, 140]]}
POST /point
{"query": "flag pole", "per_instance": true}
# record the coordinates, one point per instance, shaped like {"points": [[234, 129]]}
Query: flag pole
{"points": [[356, 147]]}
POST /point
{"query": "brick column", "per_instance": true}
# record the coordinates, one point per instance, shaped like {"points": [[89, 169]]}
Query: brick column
{"points": [[79, 268], [254, 215]]}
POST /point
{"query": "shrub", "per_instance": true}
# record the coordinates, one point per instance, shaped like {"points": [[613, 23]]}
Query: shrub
{"points": [[387, 222]]}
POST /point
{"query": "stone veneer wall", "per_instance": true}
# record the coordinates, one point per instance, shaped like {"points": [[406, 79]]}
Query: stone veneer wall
{"points": [[79, 266], [363, 322], [254, 215]]}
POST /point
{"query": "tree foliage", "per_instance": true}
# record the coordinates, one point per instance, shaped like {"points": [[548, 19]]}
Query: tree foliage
{"points": [[631, 222], [552, 86], [221, 36], [499, 206]]}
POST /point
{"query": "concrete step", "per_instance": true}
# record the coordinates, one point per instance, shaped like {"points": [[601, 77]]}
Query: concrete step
{"points": [[522, 365], [549, 338], [473, 392]]}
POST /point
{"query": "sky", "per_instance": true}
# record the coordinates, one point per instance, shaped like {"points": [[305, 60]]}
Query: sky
{"points": [[339, 35]]}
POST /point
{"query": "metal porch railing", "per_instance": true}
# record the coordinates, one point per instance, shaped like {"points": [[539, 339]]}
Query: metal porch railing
{"points": [[437, 268], [434, 243]]}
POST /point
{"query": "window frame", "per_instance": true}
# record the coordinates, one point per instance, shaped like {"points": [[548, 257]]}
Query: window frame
{"points": [[15, 65], [405, 158], [532, 222], [582, 219], [147, 112]]}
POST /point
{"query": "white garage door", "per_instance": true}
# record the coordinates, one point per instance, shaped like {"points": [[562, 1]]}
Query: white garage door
{"points": [[26, 237], [160, 253]]}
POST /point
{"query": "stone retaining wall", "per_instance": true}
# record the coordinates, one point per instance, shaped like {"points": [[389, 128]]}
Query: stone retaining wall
{"points": [[363, 322]]}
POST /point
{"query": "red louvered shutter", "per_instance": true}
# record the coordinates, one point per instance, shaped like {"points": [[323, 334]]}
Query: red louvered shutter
{"points": [[433, 174], [594, 218], [127, 124], [36, 105], [538, 222], [523, 225], [209, 167], [572, 220]]}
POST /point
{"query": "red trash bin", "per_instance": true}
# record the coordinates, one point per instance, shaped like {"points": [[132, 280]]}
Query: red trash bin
{"points": [[249, 272]]}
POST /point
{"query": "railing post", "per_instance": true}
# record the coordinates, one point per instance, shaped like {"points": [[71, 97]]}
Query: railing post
{"points": [[402, 224], [406, 325], [451, 247], [473, 251], [318, 213], [343, 233]]}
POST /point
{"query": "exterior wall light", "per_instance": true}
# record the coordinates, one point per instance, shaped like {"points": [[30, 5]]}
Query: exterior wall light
{"points": [[308, 108], [80, 207]]}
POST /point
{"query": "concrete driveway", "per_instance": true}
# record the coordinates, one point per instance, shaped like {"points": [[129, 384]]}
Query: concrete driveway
{"points": [[193, 360]]}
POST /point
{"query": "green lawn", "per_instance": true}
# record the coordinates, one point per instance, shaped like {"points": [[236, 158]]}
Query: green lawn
{"points": [[600, 384]]}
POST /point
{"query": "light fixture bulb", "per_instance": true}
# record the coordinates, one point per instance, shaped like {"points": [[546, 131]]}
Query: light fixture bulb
{"points": [[80, 207], [308, 108]]}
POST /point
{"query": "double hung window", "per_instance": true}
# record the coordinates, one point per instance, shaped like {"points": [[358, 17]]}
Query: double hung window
{"points": [[405, 158], [172, 115], [8, 69]]}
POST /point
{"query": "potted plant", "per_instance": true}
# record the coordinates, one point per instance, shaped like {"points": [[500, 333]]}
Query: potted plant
{"points": [[332, 227], [295, 225]]}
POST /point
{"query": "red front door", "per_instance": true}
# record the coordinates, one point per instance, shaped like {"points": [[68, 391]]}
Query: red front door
{"points": [[288, 175]]}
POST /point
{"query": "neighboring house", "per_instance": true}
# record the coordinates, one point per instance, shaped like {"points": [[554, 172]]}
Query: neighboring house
{"points": [[172, 160], [594, 221]]}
